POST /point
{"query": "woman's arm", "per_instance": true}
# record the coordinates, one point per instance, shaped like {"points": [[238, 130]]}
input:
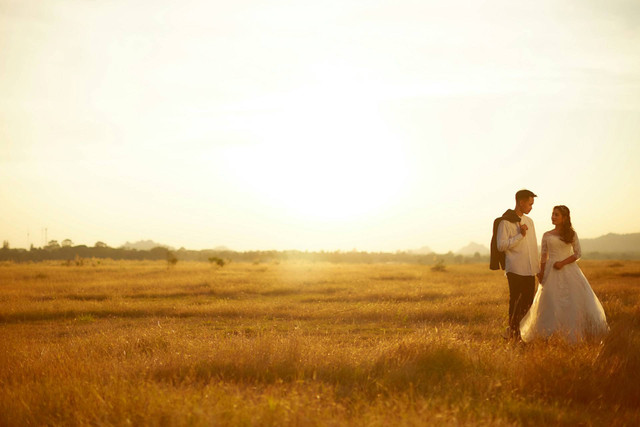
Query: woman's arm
{"points": [[543, 257], [577, 253], [541, 272], [558, 265]]}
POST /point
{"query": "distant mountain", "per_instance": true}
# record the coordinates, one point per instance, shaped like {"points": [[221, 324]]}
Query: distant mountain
{"points": [[425, 250], [617, 243], [472, 248], [145, 245]]}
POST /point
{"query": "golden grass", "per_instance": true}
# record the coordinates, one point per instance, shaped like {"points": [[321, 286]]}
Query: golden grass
{"points": [[301, 344]]}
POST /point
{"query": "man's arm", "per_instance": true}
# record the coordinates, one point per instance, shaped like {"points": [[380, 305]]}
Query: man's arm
{"points": [[504, 241]]}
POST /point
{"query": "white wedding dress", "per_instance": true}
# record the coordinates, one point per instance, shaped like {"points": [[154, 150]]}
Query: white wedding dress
{"points": [[564, 304]]}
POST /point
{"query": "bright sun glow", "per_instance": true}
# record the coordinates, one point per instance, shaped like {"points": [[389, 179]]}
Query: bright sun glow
{"points": [[325, 154]]}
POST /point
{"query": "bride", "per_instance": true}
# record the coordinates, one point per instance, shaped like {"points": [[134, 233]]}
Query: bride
{"points": [[564, 304]]}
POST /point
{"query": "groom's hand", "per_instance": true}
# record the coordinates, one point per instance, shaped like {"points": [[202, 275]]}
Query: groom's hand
{"points": [[523, 229]]}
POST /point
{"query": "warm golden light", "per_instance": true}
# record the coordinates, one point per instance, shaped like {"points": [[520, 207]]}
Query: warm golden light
{"points": [[334, 125]]}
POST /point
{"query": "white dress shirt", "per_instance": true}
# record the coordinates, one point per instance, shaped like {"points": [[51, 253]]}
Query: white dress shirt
{"points": [[521, 253]]}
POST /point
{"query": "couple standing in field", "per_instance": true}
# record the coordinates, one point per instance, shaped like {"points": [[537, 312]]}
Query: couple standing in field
{"points": [[564, 303]]}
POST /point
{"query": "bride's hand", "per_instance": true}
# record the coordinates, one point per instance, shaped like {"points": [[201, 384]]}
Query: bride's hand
{"points": [[558, 265]]}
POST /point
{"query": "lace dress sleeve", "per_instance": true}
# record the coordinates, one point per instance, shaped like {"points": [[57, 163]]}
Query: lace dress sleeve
{"points": [[577, 251], [544, 250]]}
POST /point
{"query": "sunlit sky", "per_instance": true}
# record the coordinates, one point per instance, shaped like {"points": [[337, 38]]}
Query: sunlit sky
{"points": [[319, 125]]}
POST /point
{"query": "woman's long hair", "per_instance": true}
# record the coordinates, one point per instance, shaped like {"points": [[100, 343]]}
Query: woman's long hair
{"points": [[567, 233]]}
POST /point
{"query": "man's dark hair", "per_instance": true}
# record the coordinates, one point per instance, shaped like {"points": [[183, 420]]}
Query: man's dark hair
{"points": [[524, 195]]}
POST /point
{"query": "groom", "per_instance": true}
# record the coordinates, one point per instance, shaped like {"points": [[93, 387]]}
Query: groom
{"points": [[514, 248]]}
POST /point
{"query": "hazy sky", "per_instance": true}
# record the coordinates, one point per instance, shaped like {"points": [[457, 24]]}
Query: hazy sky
{"points": [[376, 125]]}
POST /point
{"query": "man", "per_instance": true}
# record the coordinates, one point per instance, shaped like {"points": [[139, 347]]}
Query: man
{"points": [[514, 238]]}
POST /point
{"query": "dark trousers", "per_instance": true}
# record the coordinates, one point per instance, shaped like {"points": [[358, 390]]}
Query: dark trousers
{"points": [[521, 292]]}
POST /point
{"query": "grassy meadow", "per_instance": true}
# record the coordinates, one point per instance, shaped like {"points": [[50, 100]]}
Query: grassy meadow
{"points": [[137, 343]]}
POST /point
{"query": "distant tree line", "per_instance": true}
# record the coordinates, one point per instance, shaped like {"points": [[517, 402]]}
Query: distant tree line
{"points": [[67, 252], [55, 251]]}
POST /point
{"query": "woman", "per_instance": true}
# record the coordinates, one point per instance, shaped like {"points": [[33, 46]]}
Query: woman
{"points": [[564, 303]]}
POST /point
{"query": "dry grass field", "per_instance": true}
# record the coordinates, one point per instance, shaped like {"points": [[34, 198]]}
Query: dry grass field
{"points": [[136, 343]]}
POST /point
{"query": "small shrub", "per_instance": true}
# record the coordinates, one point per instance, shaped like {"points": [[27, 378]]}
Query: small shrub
{"points": [[439, 266], [85, 318], [218, 261], [171, 260]]}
